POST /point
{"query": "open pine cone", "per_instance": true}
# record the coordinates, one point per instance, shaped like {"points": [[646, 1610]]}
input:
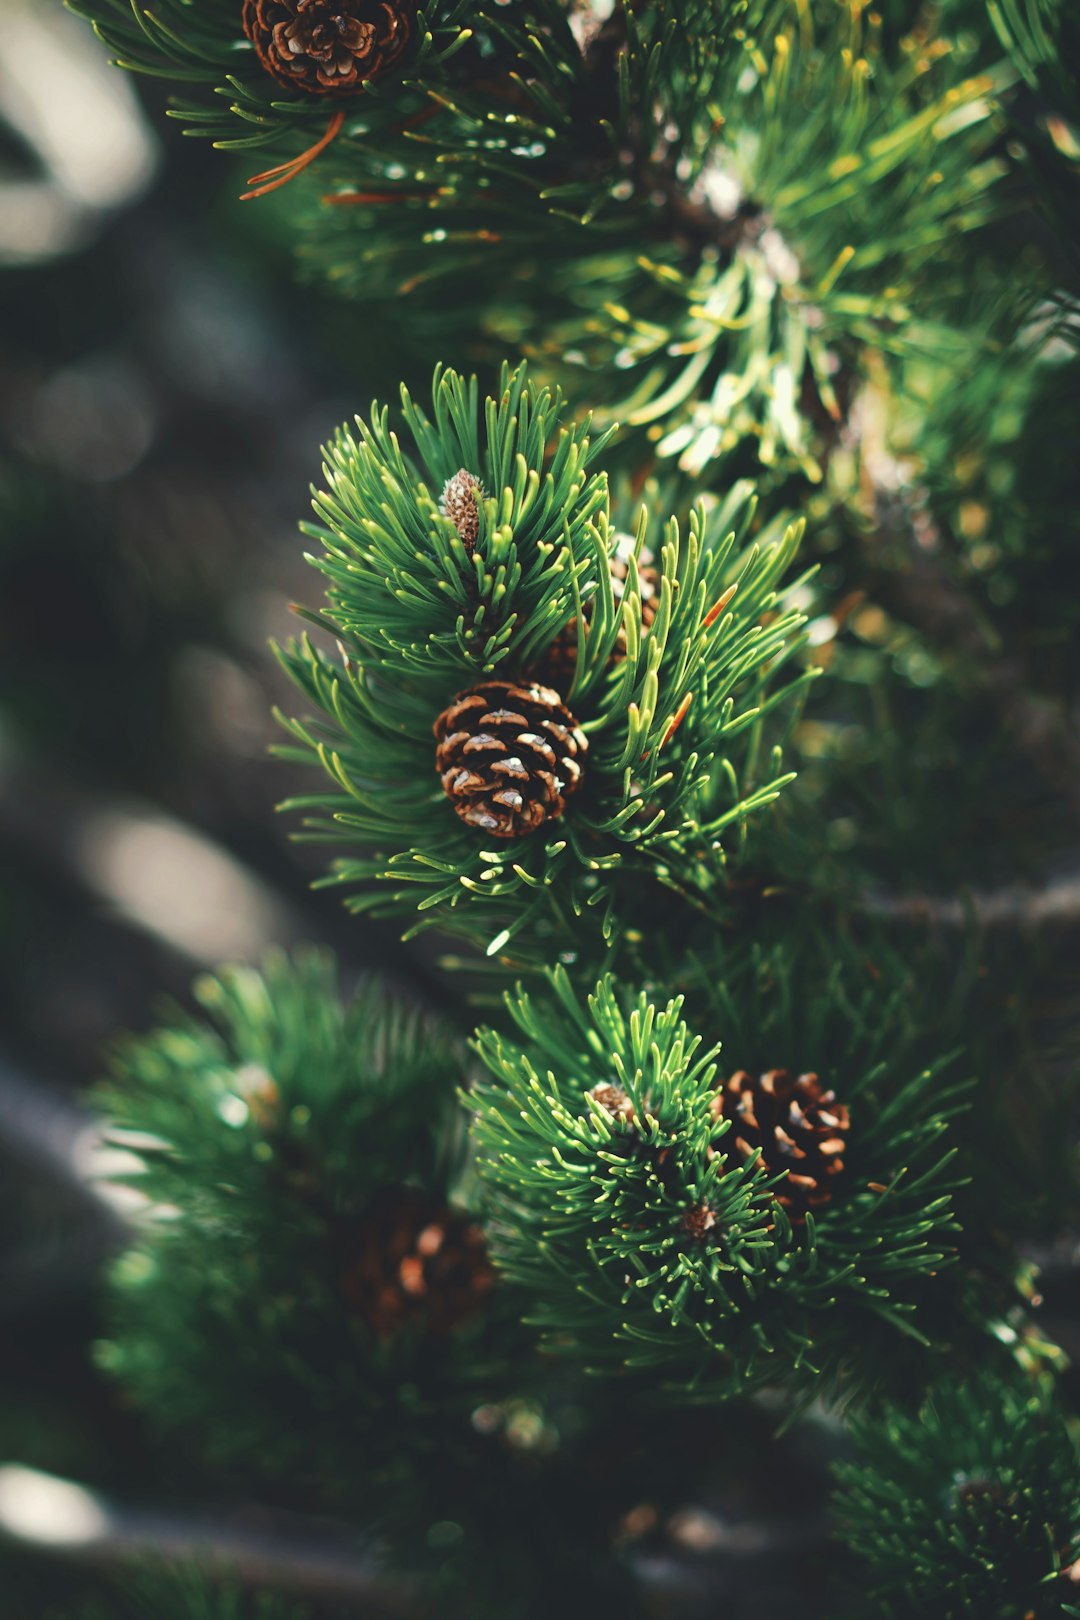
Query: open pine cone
{"points": [[416, 1263], [327, 47], [510, 754], [798, 1126]]}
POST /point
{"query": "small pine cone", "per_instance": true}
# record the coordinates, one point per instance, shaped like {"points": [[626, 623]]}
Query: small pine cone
{"points": [[460, 503], [799, 1127], [328, 47], [699, 1221], [614, 1100], [415, 1263], [978, 1492], [509, 755]]}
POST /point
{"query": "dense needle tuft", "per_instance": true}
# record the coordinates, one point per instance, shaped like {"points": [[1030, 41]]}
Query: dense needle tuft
{"points": [[967, 1505], [559, 663]]}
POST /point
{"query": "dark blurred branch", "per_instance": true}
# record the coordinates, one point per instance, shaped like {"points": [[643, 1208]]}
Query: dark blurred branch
{"points": [[172, 882], [41, 1124], [1057, 1258], [1016, 905], [702, 1556]]}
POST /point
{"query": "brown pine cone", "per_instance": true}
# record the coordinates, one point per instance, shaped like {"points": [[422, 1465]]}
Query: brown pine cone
{"points": [[510, 755], [415, 1263], [328, 47], [559, 663], [799, 1127]]}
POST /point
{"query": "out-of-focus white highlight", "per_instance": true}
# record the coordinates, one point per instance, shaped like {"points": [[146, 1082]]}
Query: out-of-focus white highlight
{"points": [[177, 885], [49, 1512], [81, 121]]}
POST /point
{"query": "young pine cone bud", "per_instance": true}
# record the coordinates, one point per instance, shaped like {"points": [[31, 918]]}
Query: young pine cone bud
{"points": [[327, 47], [699, 1221], [614, 1100], [509, 755], [416, 1263], [798, 1126], [460, 503]]}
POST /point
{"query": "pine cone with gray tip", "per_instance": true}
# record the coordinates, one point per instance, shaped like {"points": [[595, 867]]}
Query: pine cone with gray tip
{"points": [[510, 755], [327, 47], [798, 1126]]}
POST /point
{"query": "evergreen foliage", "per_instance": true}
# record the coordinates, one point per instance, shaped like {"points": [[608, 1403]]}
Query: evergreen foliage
{"points": [[508, 156], [645, 1241], [822, 264], [267, 1132], [187, 1594], [675, 722], [969, 1505], [228, 96], [286, 1140]]}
